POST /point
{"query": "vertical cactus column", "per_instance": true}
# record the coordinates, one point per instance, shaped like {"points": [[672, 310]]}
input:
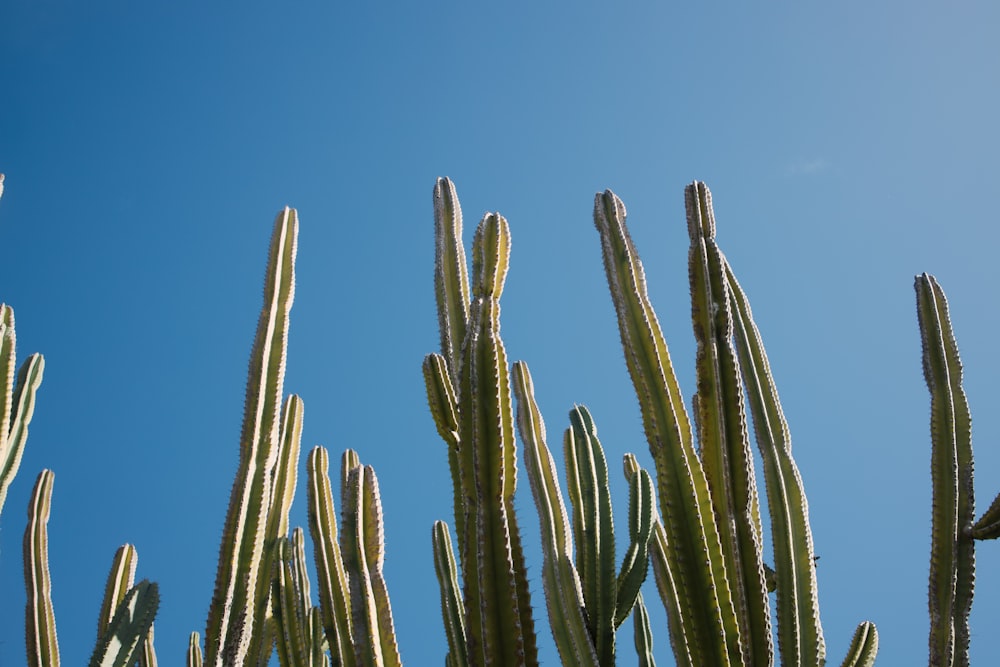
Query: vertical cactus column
{"points": [[468, 390], [258, 503], [706, 552], [952, 571], [17, 394], [40, 618]]}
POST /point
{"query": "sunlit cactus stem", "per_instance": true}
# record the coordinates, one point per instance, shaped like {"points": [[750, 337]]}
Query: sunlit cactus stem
{"points": [[692, 546], [17, 394], [469, 394], [243, 581], [40, 619]]}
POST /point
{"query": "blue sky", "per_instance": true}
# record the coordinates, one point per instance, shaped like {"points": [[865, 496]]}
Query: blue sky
{"points": [[148, 147]]}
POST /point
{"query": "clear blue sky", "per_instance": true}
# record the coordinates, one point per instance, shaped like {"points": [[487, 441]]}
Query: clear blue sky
{"points": [[148, 146]]}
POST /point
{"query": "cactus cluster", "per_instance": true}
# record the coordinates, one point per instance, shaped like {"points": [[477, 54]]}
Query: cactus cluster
{"points": [[704, 543]]}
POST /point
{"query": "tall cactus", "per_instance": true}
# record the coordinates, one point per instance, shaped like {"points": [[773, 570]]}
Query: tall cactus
{"points": [[952, 570], [40, 618], [707, 550], [258, 506], [468, 389]]}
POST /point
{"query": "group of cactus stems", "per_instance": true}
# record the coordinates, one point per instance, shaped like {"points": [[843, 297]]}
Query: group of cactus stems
{"points": [[704, 543]]}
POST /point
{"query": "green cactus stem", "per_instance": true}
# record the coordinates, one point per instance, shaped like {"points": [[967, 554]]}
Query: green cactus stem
{"points": [[952, 570], [564, 596], [642, 634], [864, 646], [40, 618], [800, 634], [700, 592], [362, 545], [722, 430], [334, 590], [452, 606], [243, 580], [469, 394], [121, 645], [18, 400], [194, 658]]}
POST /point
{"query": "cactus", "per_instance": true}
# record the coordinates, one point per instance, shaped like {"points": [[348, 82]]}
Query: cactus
{"points": [[468, 389], [18, 400], [586, 600], [258, 507], [40, 618], [953, 530], [707, 551], [121, 580], [122, 643]]}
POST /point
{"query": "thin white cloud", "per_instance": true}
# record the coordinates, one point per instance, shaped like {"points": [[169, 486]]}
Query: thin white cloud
{"points": [[811, 166]]}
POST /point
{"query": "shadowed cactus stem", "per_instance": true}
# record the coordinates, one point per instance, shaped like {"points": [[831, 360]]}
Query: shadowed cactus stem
{"points": [[952, 571]]}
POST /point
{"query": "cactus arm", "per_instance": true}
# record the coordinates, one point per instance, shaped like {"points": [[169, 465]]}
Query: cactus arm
{"points": [[241, 580], [122, 643], [18, 400], [693, 542], [722, 432], [444, 408], [121, 578], [287, 600], [665, 579], [563, 592], [988, 525], [500, 626], [864, 646], [40, 619], [362, 541], [452, 606], [952, 569], [283, 479], [451, 280], [374, 546], [635, 565], [194, 651], [593, 528], [800, 634], [334, 590], [147, 657], [642, 634]]}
